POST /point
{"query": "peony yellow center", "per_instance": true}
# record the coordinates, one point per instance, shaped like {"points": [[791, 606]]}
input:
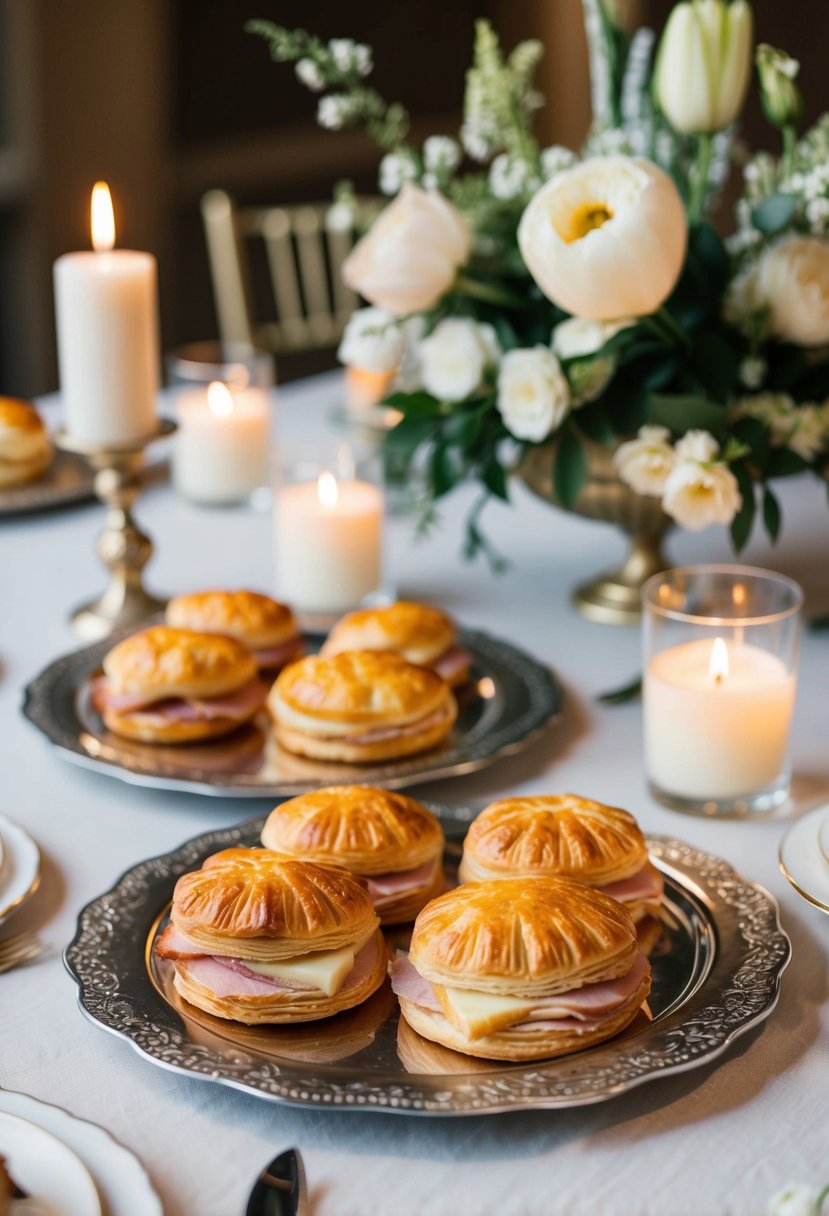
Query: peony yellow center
{"points": [[583, 220]]}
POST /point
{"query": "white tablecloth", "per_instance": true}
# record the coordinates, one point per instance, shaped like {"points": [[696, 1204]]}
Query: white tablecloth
{"points": [[717, 1140]]}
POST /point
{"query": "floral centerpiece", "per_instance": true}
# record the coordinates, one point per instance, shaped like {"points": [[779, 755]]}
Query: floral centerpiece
{"points": [[530, 296]]}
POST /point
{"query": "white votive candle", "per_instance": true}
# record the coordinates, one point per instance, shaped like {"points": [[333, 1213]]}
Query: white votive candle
{"points": [[220, 453], [364, 390], [717, 719], [107, 325], [328, 543]]}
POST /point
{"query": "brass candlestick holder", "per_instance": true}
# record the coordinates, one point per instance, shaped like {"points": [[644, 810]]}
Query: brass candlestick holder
{"points": [[122, 547]]}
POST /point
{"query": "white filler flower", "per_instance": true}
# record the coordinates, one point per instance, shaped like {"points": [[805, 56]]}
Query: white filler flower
{"points": [[372, 340], [455, 356], [533, 393], [700, 490], [644, 463]]}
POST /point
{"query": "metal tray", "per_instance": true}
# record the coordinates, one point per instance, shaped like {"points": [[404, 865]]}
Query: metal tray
{"points": [[68, 480], [716, 973], [510, 699]]}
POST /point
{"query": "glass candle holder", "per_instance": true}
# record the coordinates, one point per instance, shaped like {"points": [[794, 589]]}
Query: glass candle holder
{"points": [[223, 411], [720, 677], [328, 534]]}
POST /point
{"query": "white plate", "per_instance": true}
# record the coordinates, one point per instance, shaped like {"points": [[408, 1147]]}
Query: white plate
{"points": [[122, 1182], [823, 836], [802, 857], [55, 1181], [19, 867]]}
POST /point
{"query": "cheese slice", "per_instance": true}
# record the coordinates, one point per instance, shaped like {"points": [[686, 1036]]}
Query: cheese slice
{"points": [[326, 970], [478, 1013]]}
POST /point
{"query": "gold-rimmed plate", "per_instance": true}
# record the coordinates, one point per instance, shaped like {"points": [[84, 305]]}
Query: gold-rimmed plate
{"points": [[803, 857], [20, 867]]}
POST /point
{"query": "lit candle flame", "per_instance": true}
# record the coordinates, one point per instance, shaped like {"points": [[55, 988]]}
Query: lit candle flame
{"points": [[327, 490], [219, 399], [718, 667], [103, 218]]}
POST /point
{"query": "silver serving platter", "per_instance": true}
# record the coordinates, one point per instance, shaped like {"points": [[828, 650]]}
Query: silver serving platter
{"points": [[509, 701], [68, 480], [716, 973]]}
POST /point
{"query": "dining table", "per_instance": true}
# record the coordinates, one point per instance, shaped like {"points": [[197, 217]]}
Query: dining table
{"points": [[716, 1140]]}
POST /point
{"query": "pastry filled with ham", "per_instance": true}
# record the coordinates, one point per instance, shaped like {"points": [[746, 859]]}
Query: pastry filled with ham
{"points": [[267, 628], [422, 635], [566, 836], [167, 685], [392, 843], [360, 706], [517, 970], [258, 939]]}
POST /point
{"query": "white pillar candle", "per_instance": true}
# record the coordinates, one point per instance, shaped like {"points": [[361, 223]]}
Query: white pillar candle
{"points": [[220, 452], [107, 324], [328, 543], [717, 719]]}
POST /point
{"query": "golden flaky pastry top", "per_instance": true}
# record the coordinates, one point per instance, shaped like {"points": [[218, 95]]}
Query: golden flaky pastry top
{"points": [[525, 937], [254, 619], [356, 688], [420, 633], [164, 662], [367, 830], [253, 897], [23, 435], [560, 834]]}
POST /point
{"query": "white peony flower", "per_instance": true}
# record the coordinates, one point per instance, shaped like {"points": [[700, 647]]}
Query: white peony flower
{"points": [[792, 282], [454, 357], [533, 393], [645, 462], [372, 340], [809, 433], [440, 152], [700, 490], [796, 1199], [309, 74]]}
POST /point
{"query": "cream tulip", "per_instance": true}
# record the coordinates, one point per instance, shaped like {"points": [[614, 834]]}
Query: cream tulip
{"points": [[704, 65], [409, 257], [606, 239]]}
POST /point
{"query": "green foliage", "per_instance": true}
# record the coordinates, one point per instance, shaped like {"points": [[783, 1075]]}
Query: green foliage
{"points": [[569, 467], [774, 214], [744, 519]]}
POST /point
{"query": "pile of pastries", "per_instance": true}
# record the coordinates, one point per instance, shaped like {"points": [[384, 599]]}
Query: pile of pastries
{"points": [[540, 951], [25, 447], [381, 688]]}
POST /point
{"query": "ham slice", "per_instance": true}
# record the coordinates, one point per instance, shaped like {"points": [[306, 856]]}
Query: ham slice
{"points": [[645, 884], [386, 889], [277, 656], [452, 664], [379, 733], [236, 705]]}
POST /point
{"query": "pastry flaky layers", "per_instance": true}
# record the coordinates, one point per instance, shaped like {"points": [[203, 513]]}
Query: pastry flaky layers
{"points": [[388, 840], [255, 939], [168, 685], [518, 970], [268, 629], [422, 635], [25, 448], [566, 836], [360, 706]]}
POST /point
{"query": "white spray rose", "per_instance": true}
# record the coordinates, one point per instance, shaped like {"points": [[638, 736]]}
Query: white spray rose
{"points": [[809, 433], [699, 489], [454, 357], [372, 340], [607, 238], [409, 257], [533, 393], [578, 338], [644, 463], [792, 281]]}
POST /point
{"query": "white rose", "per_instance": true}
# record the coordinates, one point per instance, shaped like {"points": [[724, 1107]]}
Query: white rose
{"points": [[372, 340], [796, 1199], [607, 238], [699, 490], [533, 393], [793, 283], [409, 257], [809, 433], [645, 463], [699, 446], [454, 357]]}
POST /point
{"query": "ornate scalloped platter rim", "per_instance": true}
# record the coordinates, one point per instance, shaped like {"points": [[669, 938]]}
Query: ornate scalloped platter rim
{"points": [[521, 699], [733, 984]]}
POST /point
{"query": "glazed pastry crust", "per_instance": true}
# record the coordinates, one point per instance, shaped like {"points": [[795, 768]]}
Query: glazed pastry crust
{"points": [[436, 727], [366, 830], [25, 448], [417, 632], [255, 620], [521, 938], [284, 1006], [163, 663], [252, 904], [135, 726], [563, 835]]}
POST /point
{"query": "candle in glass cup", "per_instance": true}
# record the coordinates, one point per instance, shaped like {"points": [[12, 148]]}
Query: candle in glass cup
{"points": [[364, 390], [220, 454]]}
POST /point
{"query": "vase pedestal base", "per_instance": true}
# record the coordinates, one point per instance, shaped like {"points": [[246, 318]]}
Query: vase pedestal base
{"points": [[614, 598]]}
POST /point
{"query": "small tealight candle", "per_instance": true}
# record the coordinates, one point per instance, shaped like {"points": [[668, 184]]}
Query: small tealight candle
{"points": [[220, 454], [328, 543]]}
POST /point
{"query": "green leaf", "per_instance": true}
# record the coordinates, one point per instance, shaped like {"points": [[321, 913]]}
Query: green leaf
{"points": [[771, 514], [410, 432], [442, 473], [495, 479], [463, 428], [783, 462], [682, 412], [774, 213], [570, 468], [507, 336], [708, 258], [630, 408], [743, 521], [420, 403], [715, 363], [617, 696], [756, 435], [594, 422]]}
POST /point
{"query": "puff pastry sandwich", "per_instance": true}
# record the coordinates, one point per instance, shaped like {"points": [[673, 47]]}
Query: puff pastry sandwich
{"points": [[425, 636], [256, 939], [388, 840], [268, 629], [568, 836], [25, 448], [518, 970], [360, 706], [168, 685]]}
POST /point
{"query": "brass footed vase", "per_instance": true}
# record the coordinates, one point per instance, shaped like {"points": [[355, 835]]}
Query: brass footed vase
{"points": [[613, 597]]}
